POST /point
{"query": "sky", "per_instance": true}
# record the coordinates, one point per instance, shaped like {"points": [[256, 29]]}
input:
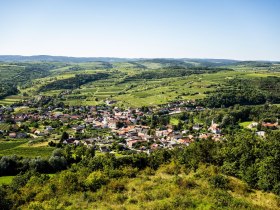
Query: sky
{"points": [[232, 29]]}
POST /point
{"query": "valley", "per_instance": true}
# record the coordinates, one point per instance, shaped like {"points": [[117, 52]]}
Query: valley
{"points": [[121, 130]]}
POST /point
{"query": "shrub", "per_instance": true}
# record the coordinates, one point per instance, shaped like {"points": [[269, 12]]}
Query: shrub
{"points": [[171, 169], [35, 205], [57, 152], [5, 203], [40, 165], [148, 171], [58, 163], [116, 186], [222, 198], [219, 181], [183, 203], [68, 182], [276, 189], [95, 180]]}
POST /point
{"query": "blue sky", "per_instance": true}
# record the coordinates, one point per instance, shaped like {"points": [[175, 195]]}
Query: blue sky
{"points": [[236, 29]]}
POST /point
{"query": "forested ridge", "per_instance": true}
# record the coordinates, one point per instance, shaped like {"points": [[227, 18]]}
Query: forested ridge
{"points": [[175, 71], [74, 82], [13, 75]]}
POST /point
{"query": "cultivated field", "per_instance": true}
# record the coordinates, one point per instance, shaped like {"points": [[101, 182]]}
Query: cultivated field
{"points": [[21, 148]]}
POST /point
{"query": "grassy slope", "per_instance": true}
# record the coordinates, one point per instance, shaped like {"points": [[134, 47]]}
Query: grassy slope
{"points": [[162, 190]]}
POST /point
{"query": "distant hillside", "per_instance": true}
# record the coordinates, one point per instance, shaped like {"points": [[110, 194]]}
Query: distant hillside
{"points": [[140, 63], [48, 58]]}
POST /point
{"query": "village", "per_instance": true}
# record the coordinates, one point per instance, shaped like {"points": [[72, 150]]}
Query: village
{"points": [[107, 128]]}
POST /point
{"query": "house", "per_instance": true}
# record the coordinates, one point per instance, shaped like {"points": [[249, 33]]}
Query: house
{"points": [[112, 124], [160, 133], [78, 128], [89, 120], [154, 146], [196, 127], [104, 149], [68, 141], [12, 135], [88, 144], [252, 125], [214, 128], [131, 142], [77, 142], [49, 128], [261, 133], [203, 136], [21, 135], [185, 131], [75, 117], [269, 125], [185, 141], [58, 114], [39, 133]]}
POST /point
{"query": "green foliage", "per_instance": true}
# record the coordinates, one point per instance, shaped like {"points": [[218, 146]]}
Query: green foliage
{"points": [[95, 180], [219, 181], [246, 92], [5, 203], [85, 189], [21, 74], [174, 72], [73, 82]]}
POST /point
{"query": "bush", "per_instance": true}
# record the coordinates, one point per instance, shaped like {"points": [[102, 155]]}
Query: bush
{"points": [[40, 165], [8, 165], [57, 152], [95, 180], [69, 182], [58, 163], [219, 181], [171, 169], [276, 189], [116, 186], [183, 203], [222, 198], [5, 203]]}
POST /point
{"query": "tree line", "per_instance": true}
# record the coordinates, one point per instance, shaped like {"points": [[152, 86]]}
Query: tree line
{"points": [[73, 82]]}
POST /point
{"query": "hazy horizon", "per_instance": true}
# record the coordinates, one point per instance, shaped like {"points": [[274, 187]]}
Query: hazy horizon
{"points": [[144, 57], [218, 29]]}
